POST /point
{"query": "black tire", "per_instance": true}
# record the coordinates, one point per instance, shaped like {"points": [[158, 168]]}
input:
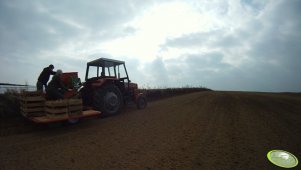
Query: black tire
{"points": [[108, 100], [73, 121], [55, 125], [141, 102]]}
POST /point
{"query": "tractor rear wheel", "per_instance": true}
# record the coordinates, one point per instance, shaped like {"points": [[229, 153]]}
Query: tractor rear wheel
{"points": [[108, 100]]}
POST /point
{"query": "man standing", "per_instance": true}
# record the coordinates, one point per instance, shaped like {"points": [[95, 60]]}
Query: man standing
{"points": [[56, 87], [44, 77]]}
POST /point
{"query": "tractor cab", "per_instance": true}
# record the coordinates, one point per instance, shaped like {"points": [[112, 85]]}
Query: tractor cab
{"points": [[106, 68], [102, 70]]}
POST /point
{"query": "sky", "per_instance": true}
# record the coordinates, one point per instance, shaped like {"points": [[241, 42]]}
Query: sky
{"points": [[240, 45]]}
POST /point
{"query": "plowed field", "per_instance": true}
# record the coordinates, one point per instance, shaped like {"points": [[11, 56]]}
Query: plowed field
{"points": [[205, 130]]}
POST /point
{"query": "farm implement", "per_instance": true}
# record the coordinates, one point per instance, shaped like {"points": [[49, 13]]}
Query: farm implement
{"points": [[106, 90]]}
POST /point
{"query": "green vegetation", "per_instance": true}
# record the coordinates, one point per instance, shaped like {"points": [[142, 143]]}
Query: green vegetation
{"points": [[155, 94], [9, 104]]}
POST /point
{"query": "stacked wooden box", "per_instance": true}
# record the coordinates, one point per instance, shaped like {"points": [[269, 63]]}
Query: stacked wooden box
{"points": [[32, 104], [75, 107], [57, 108], [63, 108]]}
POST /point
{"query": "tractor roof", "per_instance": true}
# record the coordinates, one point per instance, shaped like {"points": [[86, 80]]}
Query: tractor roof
{"points": [[105, 62]]}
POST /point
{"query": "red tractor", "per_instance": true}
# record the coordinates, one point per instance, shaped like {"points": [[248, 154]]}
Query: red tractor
{"points": [[107, 87], [106, 90]]}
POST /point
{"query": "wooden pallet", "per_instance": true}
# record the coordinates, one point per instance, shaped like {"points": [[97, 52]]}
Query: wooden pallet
{"points": [[32, 104]]}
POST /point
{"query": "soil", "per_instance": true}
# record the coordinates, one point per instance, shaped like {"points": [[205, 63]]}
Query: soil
{"points": [[205, 130]]}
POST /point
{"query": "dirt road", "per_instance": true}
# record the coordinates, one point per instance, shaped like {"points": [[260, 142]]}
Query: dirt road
{"points": [[206, 130]]}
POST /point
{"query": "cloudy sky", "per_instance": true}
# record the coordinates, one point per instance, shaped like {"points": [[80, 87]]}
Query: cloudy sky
{"points": [[249, 45]]}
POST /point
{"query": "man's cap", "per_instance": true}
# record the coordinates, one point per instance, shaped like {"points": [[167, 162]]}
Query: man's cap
{"points": [[59, 72], [51, 66]]}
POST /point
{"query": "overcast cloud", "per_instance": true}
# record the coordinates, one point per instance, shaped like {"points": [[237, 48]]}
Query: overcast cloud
{"points": [[250, 45]]}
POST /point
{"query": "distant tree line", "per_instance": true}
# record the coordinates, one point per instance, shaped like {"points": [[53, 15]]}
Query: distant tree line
{"points": [[9, 84], [155, 94]]}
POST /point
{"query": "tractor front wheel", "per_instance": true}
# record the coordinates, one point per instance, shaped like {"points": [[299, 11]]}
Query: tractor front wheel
{"points": [[141, 102], [108, 100]]}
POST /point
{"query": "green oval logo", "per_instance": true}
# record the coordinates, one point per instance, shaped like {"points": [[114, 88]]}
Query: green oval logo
{"points": [[282, 158]]}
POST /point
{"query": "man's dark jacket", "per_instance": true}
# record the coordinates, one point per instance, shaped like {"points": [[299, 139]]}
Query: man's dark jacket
{"points": [[44, 76]]}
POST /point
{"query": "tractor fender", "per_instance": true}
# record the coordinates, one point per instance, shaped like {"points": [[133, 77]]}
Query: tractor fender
{"points": [[139, 95], [102, 82], [98, 83]]}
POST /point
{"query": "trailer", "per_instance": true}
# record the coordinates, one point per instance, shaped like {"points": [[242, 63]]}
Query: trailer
{"points": [[37, 109], [74, 119]]}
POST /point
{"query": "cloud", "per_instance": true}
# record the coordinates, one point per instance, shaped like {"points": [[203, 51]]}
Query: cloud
{"points": [[262, 54], [44, 32], [29, 28], [197, 69], [155, 74]]}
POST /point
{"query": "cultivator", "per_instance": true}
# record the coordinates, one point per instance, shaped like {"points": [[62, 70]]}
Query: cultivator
{"points": [[36, 108]]}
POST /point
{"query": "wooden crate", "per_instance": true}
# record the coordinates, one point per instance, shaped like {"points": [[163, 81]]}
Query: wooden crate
{"points": [[73, 102], [63, 108], [57, 108], [75, 107], [32, 104]]}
